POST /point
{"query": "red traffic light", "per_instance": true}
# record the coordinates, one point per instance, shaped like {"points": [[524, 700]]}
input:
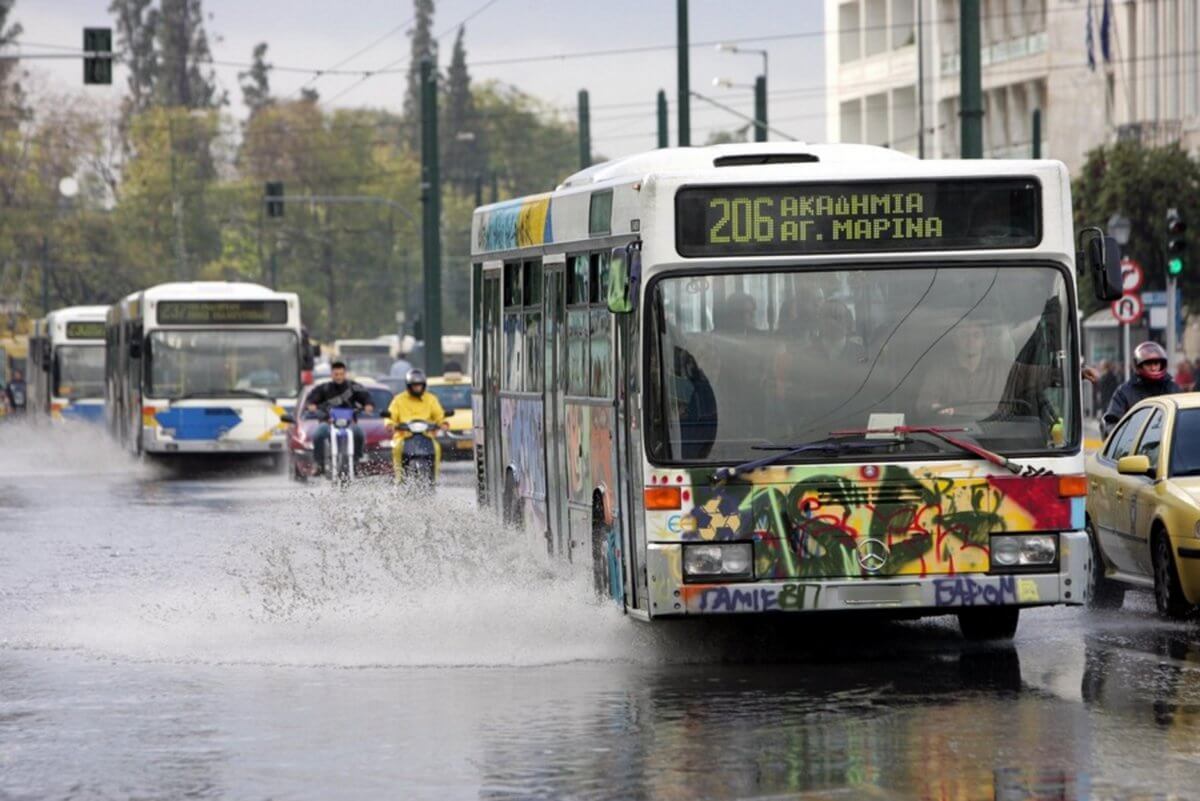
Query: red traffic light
{"points": [[1175, 222]]}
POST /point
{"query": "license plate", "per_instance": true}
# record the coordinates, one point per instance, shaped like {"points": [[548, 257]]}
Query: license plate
{"points": [[882, 595]]}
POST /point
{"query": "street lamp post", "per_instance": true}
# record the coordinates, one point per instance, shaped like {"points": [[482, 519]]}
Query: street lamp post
{"points": [[760, 88]]}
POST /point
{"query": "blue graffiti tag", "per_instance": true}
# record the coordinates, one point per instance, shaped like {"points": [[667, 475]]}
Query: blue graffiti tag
{"points": [[964, 591], [730, 599]]}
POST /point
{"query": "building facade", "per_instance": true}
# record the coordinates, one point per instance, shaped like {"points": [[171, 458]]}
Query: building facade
{"points": [[1035, 55]]}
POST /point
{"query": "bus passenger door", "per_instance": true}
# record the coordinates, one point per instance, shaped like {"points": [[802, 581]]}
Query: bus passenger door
{"points": [[492, 345], [553, 277], [625, 372]]}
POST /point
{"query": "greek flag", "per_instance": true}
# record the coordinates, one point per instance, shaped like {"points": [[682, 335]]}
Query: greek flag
{"points": [[1091, 44]]}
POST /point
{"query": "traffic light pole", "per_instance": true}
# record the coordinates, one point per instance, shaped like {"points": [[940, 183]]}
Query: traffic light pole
{"points": [[431, 202], [1172, 317]]}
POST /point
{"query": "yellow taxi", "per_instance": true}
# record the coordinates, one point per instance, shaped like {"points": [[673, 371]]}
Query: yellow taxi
{"points": [[1143, 506], [453, 390]]}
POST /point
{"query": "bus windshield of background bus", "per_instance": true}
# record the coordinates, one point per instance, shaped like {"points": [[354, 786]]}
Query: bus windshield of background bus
{"points": [[751, 360], [215, 362], [79, 372], [366, 362]]}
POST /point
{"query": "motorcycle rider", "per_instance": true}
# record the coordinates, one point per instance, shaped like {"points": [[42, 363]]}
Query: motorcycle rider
{"points": [[414, 403], [338, 393], [1150, 379]]}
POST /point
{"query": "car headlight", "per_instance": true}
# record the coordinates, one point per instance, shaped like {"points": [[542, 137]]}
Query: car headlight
{"points": [[718, 560], [1014, 552]]}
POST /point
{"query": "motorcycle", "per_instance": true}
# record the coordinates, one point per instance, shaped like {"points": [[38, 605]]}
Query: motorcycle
{"points": [[419, 456], [340, 456]]}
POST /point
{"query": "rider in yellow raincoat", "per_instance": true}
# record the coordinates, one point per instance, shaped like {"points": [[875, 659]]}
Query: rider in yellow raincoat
{"points": [[415, 404]]}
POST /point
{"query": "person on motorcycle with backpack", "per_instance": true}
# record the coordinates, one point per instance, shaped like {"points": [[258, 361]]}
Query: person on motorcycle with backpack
{"points": [[337, 393], [414, 403], [1150, 378]]}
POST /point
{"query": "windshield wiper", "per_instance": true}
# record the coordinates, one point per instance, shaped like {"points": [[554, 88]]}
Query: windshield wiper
{"points": [[940, 433], [224, 393], [830, 446]]}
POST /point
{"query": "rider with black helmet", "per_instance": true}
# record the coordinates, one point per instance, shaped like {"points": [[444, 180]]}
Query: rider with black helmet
{"points": [[1150, 379]]}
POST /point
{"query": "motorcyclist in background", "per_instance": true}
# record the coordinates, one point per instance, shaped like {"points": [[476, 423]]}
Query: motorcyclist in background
{"points": [[414, 403], [1150, 378], [341, 393]]}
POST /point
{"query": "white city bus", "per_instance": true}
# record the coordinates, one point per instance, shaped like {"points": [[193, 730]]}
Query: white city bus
{"points": [[66, 368], [781, 377], [368, 358], [203, 367]]}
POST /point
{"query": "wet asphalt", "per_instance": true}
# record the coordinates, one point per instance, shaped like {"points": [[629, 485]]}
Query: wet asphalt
{"points": [[218, 631]]}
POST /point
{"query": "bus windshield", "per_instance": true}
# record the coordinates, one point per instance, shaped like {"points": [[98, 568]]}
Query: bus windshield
{"points": [[365, 361], [79, 372], [214, 363], [742, 362]]}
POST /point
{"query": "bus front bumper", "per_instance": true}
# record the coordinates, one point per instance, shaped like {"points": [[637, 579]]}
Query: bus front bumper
{"points": [[214, 446], [922, 595]]}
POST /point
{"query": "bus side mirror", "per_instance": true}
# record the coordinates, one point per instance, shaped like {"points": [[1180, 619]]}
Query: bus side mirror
{"points": [[135, 349], [624, 274], [1101, 256], [46, 355]]}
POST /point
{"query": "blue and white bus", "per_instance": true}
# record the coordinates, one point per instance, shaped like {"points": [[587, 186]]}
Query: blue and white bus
{"points": [[203, 367], [66, 365]]}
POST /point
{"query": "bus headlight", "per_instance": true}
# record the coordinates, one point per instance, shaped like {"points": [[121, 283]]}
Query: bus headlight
{"points": [[1015, 552], [718, 560]]}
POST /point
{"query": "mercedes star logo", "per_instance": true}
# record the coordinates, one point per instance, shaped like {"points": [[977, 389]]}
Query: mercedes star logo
{"points": [[873, 554]]}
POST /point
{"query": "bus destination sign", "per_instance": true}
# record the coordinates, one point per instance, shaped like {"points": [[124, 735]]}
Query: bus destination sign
{"points": [[222, 312], [85, 330], [858, 217]]}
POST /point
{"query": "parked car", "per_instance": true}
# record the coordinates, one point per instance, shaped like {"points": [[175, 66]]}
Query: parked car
{"points": [[377, 437], [453, 391], [1143, 506]]}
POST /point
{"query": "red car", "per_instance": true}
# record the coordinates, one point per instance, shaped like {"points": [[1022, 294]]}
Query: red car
{"points": [[376, 435]]}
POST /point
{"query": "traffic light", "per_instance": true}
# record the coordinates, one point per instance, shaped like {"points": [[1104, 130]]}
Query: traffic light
{"points": [[97, 61], [1176, 243], [273, 194]]}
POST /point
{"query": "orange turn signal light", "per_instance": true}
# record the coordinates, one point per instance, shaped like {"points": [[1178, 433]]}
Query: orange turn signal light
{"points": [[1072, 486], [662, 498]]}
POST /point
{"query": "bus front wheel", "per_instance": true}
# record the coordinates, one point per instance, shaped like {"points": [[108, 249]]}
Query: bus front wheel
{"points": [[989, 623]]}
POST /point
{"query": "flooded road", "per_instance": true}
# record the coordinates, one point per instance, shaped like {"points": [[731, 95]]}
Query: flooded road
{"points": [[228, 634]]}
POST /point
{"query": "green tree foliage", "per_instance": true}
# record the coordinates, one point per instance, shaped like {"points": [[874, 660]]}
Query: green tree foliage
{"points": [[422, 46], [11, 99], [137, 25], [256, 81], [185, 76], [1141, 183], [530, 148], [464, 148]]}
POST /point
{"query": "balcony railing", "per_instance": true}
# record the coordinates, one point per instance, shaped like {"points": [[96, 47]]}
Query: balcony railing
{"points": [[1154, 133], [1000, 52]]}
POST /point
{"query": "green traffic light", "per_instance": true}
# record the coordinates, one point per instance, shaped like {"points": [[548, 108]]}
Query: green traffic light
{"points": [[1175, 266]]}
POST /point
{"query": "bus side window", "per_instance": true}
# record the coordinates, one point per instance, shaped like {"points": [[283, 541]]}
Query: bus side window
{"points": [[578, 327], [514, 328], [600, 328]]}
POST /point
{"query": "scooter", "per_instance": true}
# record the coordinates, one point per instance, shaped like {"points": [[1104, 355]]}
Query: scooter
{"points": [[419, 462]]}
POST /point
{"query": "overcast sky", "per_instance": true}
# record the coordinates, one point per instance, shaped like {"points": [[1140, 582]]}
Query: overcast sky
{"points": [[317, 34]]}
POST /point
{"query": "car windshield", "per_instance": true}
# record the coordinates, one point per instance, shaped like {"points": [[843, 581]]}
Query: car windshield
{"points": [[216, 363], [1185, 455], [79, 372], [744, 361], [452, 396]]}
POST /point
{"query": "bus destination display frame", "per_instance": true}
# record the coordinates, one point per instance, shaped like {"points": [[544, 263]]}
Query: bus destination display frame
{"points": [[85, 329], [821, 218], [222, 312]]}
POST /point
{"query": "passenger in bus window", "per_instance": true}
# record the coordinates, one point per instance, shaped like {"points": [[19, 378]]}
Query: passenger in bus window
{"points": [[736, 315], [835, 334], [969, 384]]}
